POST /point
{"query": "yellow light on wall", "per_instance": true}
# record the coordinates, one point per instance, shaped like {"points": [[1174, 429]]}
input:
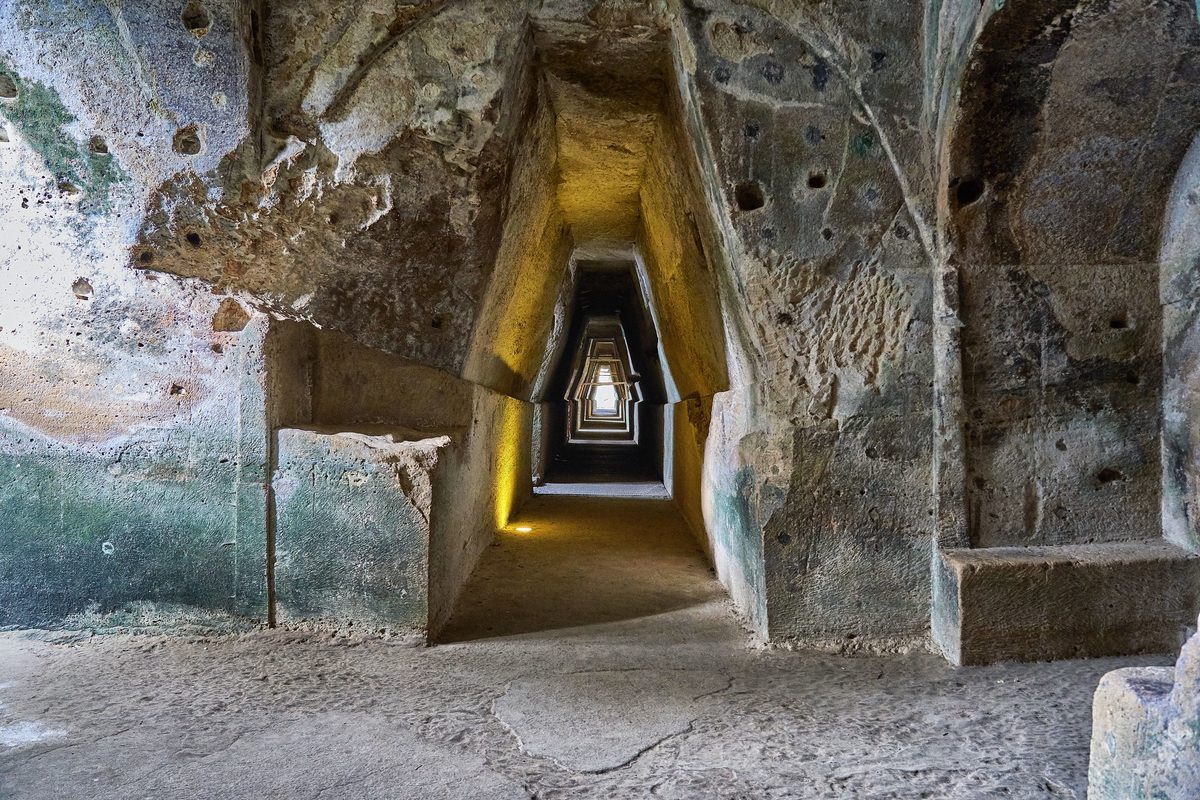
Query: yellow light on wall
{"points": [[523, 529]]}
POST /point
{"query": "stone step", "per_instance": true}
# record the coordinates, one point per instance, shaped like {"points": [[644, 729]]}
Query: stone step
{"points": [[1070, 601]]}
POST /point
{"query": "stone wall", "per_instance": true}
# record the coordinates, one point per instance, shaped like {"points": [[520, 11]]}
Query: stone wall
{"points": [[352, 518], [398, 479], [1056, 238], [904, 263]]}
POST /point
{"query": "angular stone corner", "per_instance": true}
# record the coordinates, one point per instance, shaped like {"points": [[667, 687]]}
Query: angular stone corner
{"points": [[352, 526], [1146, 731], [1079, 601]]}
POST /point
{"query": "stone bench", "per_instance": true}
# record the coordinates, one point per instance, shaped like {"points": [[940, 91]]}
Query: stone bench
{"points": [[1073, 601]]}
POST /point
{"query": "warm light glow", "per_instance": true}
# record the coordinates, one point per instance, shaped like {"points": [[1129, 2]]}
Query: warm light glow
{"points": [[523, 529], [510, 467]]}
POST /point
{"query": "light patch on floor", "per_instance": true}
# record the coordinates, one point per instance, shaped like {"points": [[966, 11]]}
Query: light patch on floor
{"points": [[601, 721], [19, 734]]}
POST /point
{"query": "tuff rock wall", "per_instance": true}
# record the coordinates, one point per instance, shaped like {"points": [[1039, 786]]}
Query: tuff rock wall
{"points": [[904, 259]]}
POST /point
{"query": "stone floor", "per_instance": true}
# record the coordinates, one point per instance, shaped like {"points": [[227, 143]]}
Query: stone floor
{"points": [[596, 658]]}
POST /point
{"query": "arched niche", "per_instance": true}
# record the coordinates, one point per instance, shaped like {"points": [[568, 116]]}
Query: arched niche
{"points": [[1070, 117]]}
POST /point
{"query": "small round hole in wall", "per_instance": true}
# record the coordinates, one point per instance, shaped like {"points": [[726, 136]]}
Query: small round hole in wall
{"points": [[967, 191], [97, 145], [193, 239], [8, 87], [187, 141], [749, 196], [1118, 322], [1108, 475], [196, 19], [816, 180]]}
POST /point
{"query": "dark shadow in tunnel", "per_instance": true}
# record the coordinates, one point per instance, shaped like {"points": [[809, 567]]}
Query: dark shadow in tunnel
{"points": [[607, 290]]}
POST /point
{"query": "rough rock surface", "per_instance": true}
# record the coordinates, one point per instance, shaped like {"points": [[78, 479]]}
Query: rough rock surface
{"points": [[321, 715], [1146, 731], [913, 268]]}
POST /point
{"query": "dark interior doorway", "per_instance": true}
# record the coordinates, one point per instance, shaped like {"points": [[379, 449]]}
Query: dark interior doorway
{"points": [[604, 404]]}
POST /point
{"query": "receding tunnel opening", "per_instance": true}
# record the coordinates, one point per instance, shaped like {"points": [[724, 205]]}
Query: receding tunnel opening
{"points": [[603, 412]]}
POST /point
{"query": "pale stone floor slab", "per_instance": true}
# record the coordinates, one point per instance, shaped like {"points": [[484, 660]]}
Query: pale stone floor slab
{"points": [[631, 703], [648, 489]]}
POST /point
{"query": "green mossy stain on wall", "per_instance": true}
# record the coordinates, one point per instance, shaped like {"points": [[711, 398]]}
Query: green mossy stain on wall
{"points": [[737, 535], [39, 117], [77, 536]]}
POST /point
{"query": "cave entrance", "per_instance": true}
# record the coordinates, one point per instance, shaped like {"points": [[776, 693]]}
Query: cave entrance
{"points": [[600, 427]]}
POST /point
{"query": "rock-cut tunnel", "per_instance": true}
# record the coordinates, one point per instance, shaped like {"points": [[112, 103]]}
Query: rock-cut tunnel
{"points": [[598, 343]]}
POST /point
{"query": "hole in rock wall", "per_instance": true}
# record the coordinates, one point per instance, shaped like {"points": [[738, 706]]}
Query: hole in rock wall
{"points": [[749, 196], [968, 191], [816, 180], [187, 141], [196, 18], [8, 87], [82, 289]]}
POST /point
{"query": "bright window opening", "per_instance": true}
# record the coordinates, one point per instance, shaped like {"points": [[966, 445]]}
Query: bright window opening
{"points": [[604, 397]]}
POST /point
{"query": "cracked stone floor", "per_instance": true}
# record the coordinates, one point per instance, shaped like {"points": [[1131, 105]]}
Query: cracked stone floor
{"points": [[594, 657]]}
